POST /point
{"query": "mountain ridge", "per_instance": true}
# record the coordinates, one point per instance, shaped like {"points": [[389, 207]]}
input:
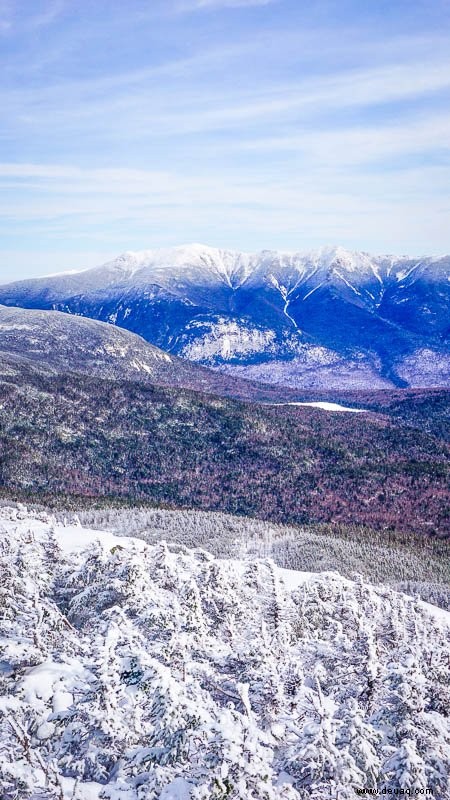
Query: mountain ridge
{"points": [[293, 319], [131, 262]]}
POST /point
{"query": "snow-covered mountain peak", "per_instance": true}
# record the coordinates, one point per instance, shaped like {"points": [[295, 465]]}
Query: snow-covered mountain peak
{"points": [[227, 262], [200, 263], [226, 307], [235, 265], [332, 258], [196, 262]]}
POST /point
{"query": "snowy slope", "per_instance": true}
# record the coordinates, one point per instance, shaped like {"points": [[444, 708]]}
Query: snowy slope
{"points": [[131, 671], [56, 343], [347, 317], [60, 341]]}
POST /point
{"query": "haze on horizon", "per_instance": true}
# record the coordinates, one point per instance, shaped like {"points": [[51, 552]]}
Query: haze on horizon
{"points": [[245, 124]]}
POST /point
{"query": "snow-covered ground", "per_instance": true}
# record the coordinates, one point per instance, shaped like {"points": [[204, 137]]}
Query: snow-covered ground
{"points": [[426, 367], [131, 671], [325, 406]]}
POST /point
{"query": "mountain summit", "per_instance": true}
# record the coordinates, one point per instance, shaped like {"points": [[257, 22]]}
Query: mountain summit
{"points": [[329, 317]]}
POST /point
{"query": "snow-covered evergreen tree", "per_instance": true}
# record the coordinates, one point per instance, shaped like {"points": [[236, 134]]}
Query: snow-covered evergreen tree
{"points": [[131, 671]]}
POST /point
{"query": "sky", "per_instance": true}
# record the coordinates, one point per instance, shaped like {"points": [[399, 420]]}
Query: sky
{"points": [[245, 124]]}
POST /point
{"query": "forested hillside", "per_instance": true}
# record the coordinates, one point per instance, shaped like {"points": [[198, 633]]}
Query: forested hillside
{"points": [[71, 435]]}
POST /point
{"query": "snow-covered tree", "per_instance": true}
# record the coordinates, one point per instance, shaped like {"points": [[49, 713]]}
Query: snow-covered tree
{"points": [[135, 672]]}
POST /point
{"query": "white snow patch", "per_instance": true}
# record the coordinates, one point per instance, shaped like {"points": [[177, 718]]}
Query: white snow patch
{"points": [[227, 339], [88, 790], [347, 283], [293, 578], [45, 681], [75, 539], [325, 406], [308, 294], [178, 789]]}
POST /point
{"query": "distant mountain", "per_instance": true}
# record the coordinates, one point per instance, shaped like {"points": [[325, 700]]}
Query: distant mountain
{"points": [[328, 318]]}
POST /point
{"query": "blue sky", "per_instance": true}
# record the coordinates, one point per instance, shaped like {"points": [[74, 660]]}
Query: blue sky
{"points": [[247, 124]]}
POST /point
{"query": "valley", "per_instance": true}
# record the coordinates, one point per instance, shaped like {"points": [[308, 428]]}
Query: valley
{"points": [[71, 434]]}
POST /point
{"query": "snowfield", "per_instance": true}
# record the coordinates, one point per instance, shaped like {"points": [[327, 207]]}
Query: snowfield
{"points": [[131, 671]]}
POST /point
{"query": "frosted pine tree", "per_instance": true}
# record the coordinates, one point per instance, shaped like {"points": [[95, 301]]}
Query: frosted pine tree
{"points": [[152, 670], [405, 769], [359, 743], [312, 756]]}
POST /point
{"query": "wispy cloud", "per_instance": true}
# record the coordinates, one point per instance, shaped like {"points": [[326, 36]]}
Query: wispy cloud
{"points": [[351, 147], [198, 5], [16, 16], [124, 204], [151, 106], [6, 16], [49, 13], [277, 128]]}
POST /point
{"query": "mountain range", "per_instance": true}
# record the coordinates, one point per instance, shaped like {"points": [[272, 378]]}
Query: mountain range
{"points": [[137, 667], [330, 318]]}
